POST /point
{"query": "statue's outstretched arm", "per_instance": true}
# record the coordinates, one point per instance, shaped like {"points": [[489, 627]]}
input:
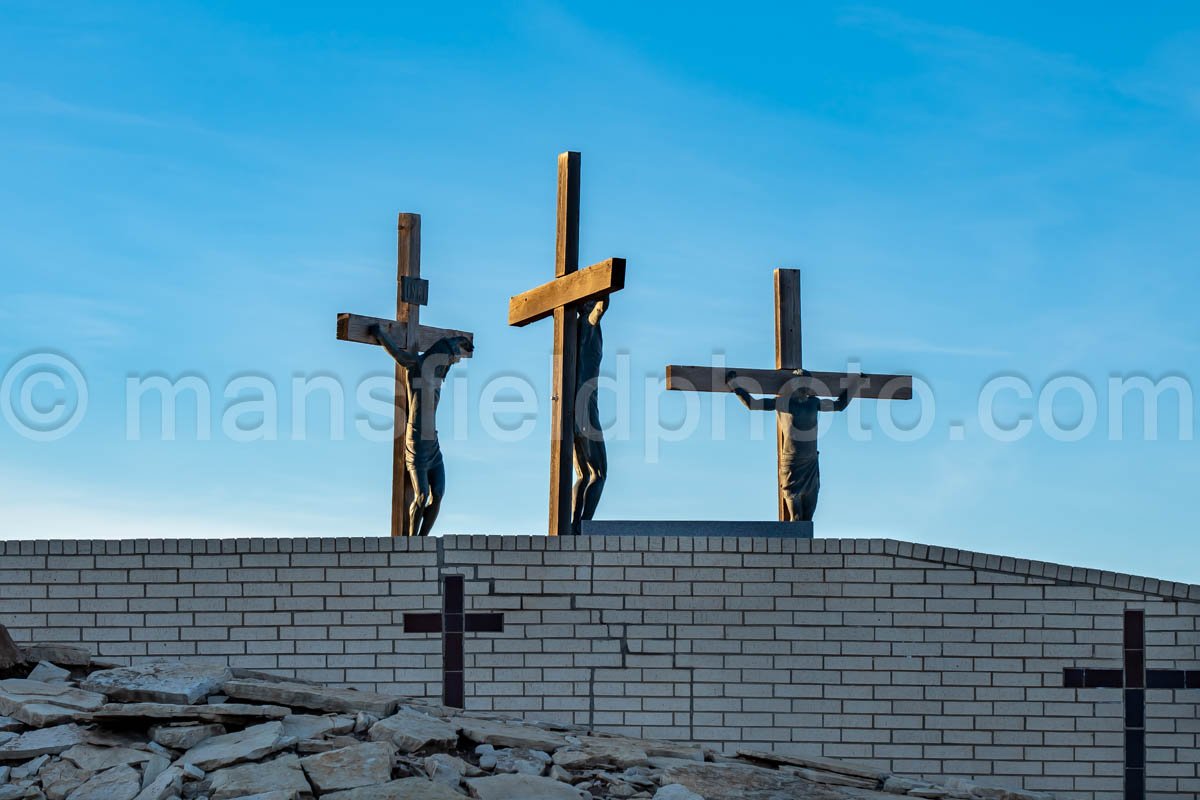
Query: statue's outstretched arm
{"points": [[401, 355], [755, 403], [840, 404], [843, 399], [599, 310], [748, 400]]}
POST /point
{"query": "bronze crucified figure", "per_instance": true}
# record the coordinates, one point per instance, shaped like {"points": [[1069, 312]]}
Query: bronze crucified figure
{"points": [[799, 468], [422, 452], [591, 456]]}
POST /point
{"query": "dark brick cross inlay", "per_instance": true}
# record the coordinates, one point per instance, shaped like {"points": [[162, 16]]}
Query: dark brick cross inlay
{"points": [[1135, 679], [452, 623]]}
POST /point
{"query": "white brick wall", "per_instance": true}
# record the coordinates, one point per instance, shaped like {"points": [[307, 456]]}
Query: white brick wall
{"points": [[922, 660]]}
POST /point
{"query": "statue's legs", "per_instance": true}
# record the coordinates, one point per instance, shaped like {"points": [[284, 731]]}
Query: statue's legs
{"points": [[808, 505], [579, 490], [791, 506], [591, 467], [801, 506], [419, 477], [598, 474], [437, 488]]}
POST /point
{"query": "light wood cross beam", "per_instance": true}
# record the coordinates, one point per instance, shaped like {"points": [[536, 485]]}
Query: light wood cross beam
{"points": [[788, 360], [560, 298], [412, 292]]}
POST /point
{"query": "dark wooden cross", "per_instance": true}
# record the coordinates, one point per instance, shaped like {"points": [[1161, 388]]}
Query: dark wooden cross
{"points": [[788, 359], [560, 298], [452, 624], [412, 292], [1134, 679]]}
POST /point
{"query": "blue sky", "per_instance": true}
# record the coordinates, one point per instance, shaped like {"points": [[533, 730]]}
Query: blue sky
{"points": [[970, 191]]}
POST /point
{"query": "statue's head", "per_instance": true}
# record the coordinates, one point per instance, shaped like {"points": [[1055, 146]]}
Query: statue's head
{"points": [[460, 348], [449, 350], [803, 392]]}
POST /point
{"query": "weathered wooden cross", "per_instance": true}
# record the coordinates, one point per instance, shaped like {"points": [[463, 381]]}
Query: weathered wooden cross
{"points": [[788, 359], [560, 298], [453, 622], [1134, 679], [412, 292]]}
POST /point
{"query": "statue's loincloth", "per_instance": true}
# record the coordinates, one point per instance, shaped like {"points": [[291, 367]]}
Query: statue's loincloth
{"points": [[799, 475], [422, 454]]}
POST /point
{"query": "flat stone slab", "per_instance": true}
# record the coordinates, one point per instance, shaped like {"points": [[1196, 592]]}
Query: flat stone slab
{"points": [[675, 791], [47, 741], [281, 775], [597, 751], [185, 737], [233, 713], [350, 767], [509, 734], [41, 704], [732, 528], [446, 769], [403, 789], [251, 744], [526, 787], [738, 782], [90, 758], [308, 726], [167, 785], [118, 783], [49, 673], [658, 748], [159, 682], [59, 778], [26, 687], [64, 655], [411, 731], [303, 695], [817, 763]]}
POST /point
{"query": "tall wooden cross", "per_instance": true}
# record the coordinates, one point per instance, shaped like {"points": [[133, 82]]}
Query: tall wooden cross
{"points": [[789, 359], [412, 292], [561, 298]]}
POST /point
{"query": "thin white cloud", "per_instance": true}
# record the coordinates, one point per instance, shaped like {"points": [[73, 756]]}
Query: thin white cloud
{"points": [[27, 102], [87, 321], [23, 102], [960, 43], [1170, 77]]}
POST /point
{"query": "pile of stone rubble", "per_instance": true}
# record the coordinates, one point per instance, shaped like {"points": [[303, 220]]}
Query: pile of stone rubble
{"points": [[75, 729]]}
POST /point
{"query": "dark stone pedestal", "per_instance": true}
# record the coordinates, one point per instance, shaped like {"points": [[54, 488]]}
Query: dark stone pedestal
{"points": [[654, 527]]}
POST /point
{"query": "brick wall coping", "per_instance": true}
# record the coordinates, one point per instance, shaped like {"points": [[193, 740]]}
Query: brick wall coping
{"points": [[919, 552]]}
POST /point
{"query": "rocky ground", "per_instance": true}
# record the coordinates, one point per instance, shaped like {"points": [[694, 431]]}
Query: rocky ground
{"points": [[75, 729]]}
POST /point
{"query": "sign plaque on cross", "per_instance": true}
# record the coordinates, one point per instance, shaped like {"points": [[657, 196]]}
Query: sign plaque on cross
{"points": [[412, 292], [560, 299], [788, 362]]}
